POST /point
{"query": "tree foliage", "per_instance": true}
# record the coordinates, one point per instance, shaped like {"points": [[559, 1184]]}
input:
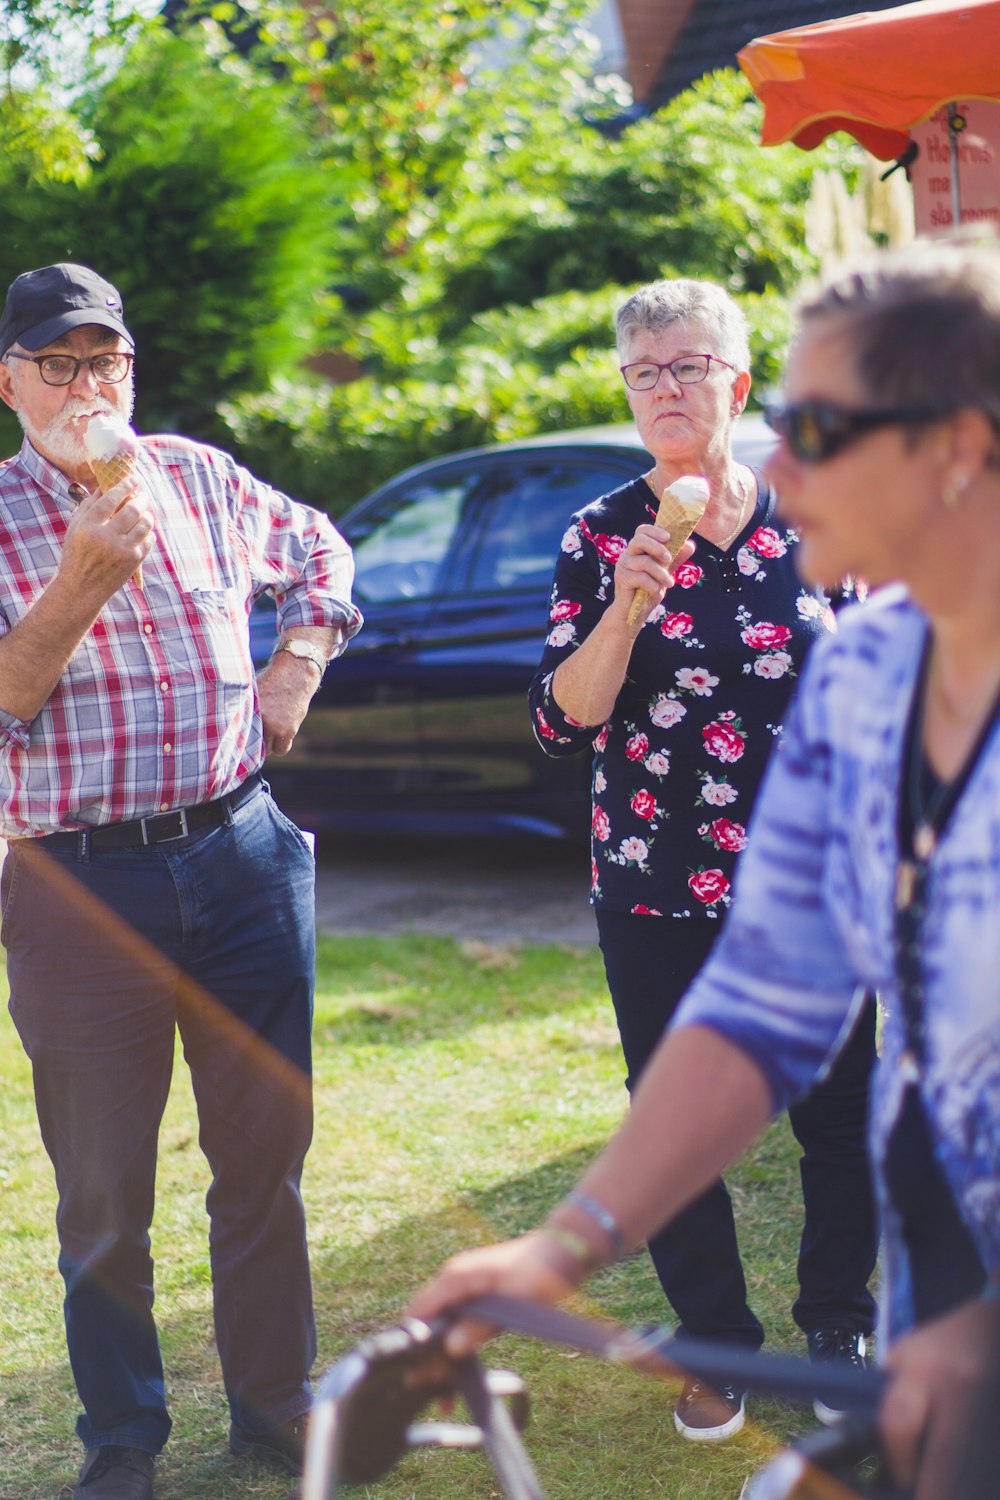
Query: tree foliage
{"points": [[206, 204], [48, 36], [221, 216], [687, 189], [422, 100]]}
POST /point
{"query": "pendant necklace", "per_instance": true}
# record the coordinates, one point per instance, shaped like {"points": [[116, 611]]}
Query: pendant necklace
{"points": [[745, 488], [928, 815]]}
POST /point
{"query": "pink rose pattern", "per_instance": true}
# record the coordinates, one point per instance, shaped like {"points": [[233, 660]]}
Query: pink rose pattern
{"points": [[688, 575], [724, 834], [765, 635], [709, 886], [725, 741], [766, 542], [644, 805], [675, 626], [677, 766]]}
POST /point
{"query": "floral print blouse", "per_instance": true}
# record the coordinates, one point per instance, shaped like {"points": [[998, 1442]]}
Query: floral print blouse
{"points": [[678, 765]]}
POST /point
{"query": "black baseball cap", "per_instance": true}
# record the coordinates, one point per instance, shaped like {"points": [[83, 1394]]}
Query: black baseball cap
{"points": [[42, 305]]}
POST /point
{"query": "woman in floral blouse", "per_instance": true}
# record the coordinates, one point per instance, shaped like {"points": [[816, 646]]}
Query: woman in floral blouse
{"points": [[682, 710]]}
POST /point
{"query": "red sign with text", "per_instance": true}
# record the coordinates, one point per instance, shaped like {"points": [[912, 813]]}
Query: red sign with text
{"points": [[978, 168]]}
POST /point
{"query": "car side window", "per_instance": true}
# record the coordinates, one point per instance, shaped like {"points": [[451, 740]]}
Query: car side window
{"points": [[406, 542], [529, 512]]}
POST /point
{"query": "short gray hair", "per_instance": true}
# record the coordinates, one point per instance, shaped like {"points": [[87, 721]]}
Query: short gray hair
{"points": [[661, 303]]}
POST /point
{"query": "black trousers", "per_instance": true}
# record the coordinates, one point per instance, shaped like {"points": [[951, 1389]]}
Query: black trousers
{"points": [[650, 963]]}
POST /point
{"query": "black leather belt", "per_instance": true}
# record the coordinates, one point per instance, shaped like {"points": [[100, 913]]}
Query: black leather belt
{"points": [[159, 828]]}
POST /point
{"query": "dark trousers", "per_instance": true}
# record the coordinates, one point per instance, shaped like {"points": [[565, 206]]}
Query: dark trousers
{"points": [[650, 963], [213, 936]]}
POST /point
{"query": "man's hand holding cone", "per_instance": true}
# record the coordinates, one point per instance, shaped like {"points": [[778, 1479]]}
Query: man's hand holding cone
{"points": [[113, 453]]}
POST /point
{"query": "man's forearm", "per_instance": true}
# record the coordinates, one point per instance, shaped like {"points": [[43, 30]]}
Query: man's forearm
{"points": [[35, 653]]}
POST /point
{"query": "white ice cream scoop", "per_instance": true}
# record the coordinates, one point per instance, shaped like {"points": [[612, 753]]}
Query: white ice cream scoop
{"points": [[106, 434], [690, 489]]}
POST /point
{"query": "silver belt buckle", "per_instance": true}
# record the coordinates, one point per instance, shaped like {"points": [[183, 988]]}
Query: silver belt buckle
{"points": [[180, 813]]}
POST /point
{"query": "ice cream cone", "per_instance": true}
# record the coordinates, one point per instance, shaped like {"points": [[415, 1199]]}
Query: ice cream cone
{"points": [[110, 469], [681, 507]]}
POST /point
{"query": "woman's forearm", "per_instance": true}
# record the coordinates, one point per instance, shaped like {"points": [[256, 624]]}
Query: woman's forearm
{"points": [[700, 1103], [586, 685]]}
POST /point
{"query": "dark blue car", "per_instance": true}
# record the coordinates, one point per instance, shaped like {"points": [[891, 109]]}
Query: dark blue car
{"points": [[422, 725]]}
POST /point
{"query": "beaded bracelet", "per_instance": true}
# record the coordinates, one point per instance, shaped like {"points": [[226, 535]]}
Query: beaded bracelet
{"points": [[602, 1216]]}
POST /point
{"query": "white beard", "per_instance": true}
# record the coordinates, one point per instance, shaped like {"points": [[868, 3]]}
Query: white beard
{"points": [[61, 440]]}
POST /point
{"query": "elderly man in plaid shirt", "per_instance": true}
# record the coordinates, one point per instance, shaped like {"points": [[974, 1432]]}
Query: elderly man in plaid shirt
{"points": [[151, 882]]}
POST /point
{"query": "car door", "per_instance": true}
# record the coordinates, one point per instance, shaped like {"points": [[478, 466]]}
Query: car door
{"points": [[358, 750], [484, 635]]}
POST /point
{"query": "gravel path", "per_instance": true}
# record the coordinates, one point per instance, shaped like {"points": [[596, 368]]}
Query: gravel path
{"points": [[494, 890]]}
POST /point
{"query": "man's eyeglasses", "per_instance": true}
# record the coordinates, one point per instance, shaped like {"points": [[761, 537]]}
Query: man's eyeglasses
{"points": [[643, 374], [815, 430], [62, 369]]}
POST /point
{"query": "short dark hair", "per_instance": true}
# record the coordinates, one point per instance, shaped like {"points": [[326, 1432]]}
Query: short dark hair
{"points": [[922, 324]]}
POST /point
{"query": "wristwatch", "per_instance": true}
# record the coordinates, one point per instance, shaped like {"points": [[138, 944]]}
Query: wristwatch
{"points": [[302, 649]]}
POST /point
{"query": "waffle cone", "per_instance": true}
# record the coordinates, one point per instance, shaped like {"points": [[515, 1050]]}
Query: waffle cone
{"points": [[679, 518], [111, 471]]}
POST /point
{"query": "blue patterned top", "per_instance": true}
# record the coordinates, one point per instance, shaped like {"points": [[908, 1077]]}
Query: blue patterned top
{"points": [[811, 925]]}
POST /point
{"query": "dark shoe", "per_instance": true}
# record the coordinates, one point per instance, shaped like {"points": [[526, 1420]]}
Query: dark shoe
{"points": [[116, 1473], [844, 1346], [280, 1447], [704, 1415]]}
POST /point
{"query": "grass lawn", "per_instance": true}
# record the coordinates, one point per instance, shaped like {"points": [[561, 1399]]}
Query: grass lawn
{"points": [[460, 1090]]}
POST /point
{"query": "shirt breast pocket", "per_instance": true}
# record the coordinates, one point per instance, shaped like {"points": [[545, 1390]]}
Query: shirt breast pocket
{"points": [[217, 621]]}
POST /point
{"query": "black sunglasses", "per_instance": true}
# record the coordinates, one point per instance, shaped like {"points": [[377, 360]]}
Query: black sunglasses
{"points": [[815, 430]]}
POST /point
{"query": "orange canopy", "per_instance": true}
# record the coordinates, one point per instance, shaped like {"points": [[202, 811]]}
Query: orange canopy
{"points": [[874, 74]]}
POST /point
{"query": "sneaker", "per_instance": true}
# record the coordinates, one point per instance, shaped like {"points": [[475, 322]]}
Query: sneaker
{"points": [[845, 1346], [282, 1446], [705, 1415], [113, 1472]]}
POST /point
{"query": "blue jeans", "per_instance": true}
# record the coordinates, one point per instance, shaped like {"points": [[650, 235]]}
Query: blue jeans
{"points": [[650, 964], [213, 934]]}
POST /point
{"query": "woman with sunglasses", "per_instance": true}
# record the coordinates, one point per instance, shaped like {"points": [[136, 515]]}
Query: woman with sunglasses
{"points": [[680, 707], [874, 860]]}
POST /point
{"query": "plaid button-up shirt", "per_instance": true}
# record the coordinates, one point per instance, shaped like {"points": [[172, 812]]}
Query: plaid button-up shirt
{"points": [[158, 706]]}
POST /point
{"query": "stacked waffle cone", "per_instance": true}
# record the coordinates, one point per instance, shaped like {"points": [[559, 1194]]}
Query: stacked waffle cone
{"points": [[681, 507], [111, 464]]}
